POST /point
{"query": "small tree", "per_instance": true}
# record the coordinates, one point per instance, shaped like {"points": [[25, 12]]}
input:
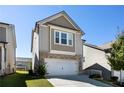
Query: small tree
{"points": [[116, 57]]}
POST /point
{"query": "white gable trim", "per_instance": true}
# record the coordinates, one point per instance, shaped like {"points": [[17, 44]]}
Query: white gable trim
{"points": [[62, 29], [57, 16]]}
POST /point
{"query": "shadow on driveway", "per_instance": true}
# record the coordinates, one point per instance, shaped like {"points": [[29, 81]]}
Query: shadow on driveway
{"points": [[80, 78]]}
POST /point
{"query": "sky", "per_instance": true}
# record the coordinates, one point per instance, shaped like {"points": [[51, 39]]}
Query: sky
{"points": [[98, 22]]}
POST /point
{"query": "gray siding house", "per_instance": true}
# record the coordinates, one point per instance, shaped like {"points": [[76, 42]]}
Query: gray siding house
{"points": [[7, 48], [95, 61], [56, 41]]}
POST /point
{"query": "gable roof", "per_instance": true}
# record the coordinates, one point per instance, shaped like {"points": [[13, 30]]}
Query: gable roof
{"points": [[57, 15], [93, 46], [107, 45]]}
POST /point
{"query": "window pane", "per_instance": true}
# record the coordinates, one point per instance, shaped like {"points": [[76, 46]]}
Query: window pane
{"points": [[57, 34], [70, 42], [57, 40], [57, 37], [63, 38], [64, 41], [70, 38]]}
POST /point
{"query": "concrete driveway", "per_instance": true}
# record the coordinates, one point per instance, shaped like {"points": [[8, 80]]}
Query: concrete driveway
{"points": [[75, 81]]}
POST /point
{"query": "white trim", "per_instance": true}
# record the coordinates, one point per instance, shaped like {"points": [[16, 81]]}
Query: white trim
{"points": [[59, 15], [72, 39], [63, 29], [62, 52], [42, 25]]}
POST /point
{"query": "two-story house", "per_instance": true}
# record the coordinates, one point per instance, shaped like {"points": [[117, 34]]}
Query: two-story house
{"points": [[56, 41], [7, 48]]}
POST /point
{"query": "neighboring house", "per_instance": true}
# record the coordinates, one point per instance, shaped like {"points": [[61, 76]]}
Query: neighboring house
{"points": [[107, 46], [7, 48], [56, 41], [95, 61], [23, 63]]}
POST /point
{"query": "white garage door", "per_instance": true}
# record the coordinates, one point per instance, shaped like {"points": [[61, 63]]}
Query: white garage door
{"points": [[61, 67]]}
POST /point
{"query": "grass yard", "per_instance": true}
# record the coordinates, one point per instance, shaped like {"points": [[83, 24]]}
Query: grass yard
{"points": [[22, 79]]}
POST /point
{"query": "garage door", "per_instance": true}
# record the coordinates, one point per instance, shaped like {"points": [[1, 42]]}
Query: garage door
{"points": [[61, 67]]}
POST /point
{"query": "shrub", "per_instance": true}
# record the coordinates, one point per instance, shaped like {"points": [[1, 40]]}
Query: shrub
{"points": [[30, 72], [114, 78], [95, 76], [119, 83], [41, 70]]}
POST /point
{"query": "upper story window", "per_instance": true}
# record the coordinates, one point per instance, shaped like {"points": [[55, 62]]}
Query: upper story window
{"points": [[70, 38], [57, 37], [63, 38]]}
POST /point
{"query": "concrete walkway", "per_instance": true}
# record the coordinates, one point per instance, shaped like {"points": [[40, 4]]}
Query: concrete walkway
{"points": [[75, 81]]}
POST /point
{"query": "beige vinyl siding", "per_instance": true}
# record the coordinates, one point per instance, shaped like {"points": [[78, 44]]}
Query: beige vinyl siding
{"points": [[78, 45], [61, 47], [10, 49], [44, 45], [61, 21], [96, 59]]}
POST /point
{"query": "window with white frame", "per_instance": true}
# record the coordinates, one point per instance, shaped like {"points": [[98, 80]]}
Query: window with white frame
{"points": [[70, 38], [63, 38], [57, 37]]}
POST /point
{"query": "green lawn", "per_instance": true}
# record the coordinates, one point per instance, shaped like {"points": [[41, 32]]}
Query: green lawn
{"points": [[22, 79]]}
